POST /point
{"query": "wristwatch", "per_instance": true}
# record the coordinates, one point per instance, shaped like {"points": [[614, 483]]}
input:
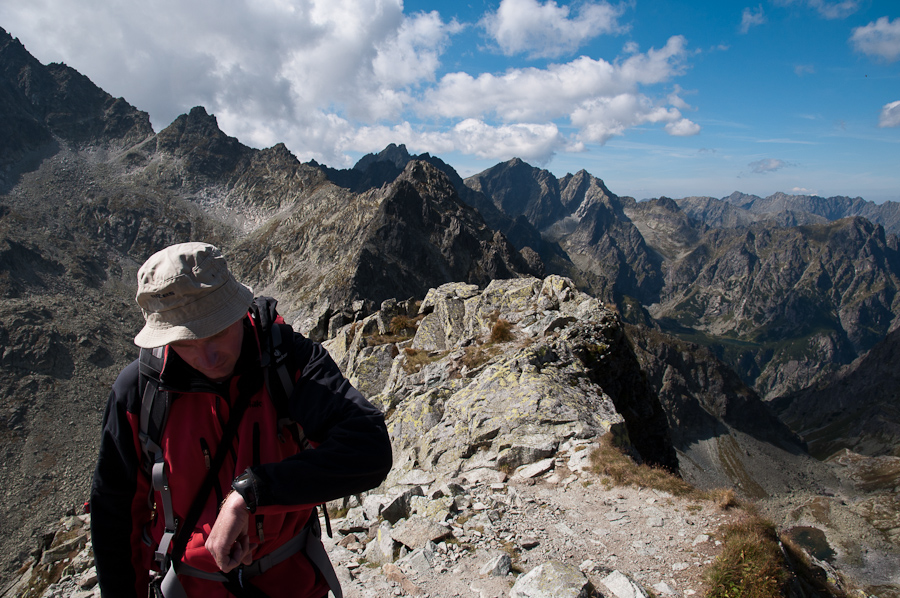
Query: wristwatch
{"points": [[245, 485]]}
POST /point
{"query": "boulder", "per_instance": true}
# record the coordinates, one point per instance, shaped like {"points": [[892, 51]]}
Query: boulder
{"points": [[552, 580], [417, 532]]}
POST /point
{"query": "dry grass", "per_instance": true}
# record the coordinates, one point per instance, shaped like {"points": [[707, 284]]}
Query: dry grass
{"points": [[416, 359], [609, 460], [501, 332], [751, 564], [404, 325]]}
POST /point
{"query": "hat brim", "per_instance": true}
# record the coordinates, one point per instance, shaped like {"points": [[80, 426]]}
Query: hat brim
{"points": [[157, 333]]}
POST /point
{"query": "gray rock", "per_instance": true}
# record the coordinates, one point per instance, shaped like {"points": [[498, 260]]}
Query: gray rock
{"points": [[382, 549], [417, 477], [420, 560], [417, 532], [664, 589], [373, 504], [399, 507], [552, 580], [533, 470], [620, 585], [498, 566]]}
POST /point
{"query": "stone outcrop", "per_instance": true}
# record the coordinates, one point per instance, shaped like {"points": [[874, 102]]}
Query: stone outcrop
{"points": [[501, 377]]}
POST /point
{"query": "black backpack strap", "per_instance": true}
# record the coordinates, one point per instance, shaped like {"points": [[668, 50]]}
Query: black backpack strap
{"points": [[154, 404], [276, 344], [154, 413]]}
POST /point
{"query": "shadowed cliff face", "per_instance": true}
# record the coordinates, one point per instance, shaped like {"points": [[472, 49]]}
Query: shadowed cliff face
{"points": [[40, 103], [830, 417]]}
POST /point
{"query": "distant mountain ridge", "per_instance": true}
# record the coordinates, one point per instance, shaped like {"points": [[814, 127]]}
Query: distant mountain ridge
{"points": [[791, 210]]}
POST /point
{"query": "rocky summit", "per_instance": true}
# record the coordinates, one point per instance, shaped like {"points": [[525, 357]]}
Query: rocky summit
{"points": [[510, 325]]}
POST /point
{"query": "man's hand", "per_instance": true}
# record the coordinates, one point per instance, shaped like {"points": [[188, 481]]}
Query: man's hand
{"points": [[229, 541]]}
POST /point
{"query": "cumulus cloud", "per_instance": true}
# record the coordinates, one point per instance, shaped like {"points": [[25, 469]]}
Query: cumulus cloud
{"points": [[534, 142], [532, 93], [548, 30], [333, 77], [881, 39], [682, 128], [767, 165], [749, 18], [890, 115]]}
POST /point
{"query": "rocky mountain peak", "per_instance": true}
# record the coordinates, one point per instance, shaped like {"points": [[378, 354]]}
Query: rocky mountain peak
{"points": [[516, 187], [394, 154], [207, 153], [40, 102]]}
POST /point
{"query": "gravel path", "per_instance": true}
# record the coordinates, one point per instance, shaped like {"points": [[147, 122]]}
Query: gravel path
{"points": [[662, 542]]}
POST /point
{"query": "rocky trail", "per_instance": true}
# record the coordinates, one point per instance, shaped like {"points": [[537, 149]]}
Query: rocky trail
{"points": [[554, 525]]}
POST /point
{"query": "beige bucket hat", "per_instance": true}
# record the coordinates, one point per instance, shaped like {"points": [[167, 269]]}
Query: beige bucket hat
{"points": [[186, 292]]}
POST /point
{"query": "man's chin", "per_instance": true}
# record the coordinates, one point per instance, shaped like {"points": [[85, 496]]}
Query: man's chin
{"points": [[218, 375]]}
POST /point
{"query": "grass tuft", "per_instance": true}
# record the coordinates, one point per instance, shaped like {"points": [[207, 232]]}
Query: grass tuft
{"points": [[501, 331], [751, 564], [609, 460]]}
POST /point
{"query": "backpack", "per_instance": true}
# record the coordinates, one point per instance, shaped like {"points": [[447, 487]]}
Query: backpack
{"points": [[276, 341]]}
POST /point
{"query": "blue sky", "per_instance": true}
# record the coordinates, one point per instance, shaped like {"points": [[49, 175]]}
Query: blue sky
{"points": [[670, 98]]}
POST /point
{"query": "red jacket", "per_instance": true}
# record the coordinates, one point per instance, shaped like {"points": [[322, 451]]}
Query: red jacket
{"points": [[352, 455]]}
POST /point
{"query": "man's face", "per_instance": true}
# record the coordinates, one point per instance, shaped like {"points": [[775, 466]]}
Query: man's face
{"points": [[214, 356]]}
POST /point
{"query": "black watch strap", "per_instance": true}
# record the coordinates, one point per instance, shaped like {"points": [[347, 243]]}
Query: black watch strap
{"points": [[245, 485]]}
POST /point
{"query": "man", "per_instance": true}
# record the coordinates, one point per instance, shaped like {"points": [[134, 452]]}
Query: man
{"points": [[252, 532]]}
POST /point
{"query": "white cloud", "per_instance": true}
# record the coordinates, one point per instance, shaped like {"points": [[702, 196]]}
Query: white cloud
{"points": [[767, 165], [890, 115], [536, 142], [803, 191], [682, 128], [835, 10], [531, 94], [749, 18], [603, 118], [804, 69], [676, 100], [881, 38], [547, 30], [333, 77]]}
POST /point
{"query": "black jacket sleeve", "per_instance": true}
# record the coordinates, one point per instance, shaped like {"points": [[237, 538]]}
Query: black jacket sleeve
{"points": [[113, 495], [354, 449]]}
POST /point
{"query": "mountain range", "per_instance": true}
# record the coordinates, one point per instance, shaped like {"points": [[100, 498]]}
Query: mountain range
{"points": [[748, 325]]}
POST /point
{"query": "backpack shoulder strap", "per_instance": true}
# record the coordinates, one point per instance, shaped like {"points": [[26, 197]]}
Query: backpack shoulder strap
{"points": [[276, 346], [154, 413], [276, 340], [154, 404]]}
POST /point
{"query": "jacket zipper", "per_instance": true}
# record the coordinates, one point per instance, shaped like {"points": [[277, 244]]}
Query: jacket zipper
{"points": [[207, 459]]}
